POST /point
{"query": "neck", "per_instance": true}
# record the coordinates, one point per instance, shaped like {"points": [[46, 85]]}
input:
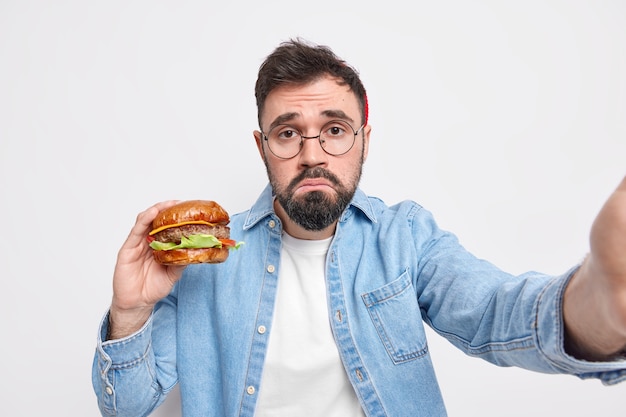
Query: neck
{"points": [[299, 232]]}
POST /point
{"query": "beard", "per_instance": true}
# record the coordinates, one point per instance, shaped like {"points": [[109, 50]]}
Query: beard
{"points": [[315, 210]]}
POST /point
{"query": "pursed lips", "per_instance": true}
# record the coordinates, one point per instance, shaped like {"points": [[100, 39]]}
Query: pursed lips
{"points": [[313, 184]]}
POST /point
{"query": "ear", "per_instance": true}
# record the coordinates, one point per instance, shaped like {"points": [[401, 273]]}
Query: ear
{"points": [[366, 140], [258, 138]]}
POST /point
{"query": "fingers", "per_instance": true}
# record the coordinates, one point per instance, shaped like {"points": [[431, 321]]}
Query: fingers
{"points": [[622, 186], [608, 235], [143, 223], [146, 217]]}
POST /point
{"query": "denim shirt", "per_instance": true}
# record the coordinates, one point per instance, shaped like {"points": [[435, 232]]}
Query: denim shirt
{"points": [[389, 270]]}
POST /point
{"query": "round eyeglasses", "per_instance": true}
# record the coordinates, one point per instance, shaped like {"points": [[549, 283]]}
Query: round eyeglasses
{"points": [[336, 138]]}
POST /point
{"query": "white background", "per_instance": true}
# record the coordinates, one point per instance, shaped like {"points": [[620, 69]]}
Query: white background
{"points": [[505, 119]]}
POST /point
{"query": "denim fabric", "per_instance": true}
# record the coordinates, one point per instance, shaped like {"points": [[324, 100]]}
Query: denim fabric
{"points": [[389, 270]]}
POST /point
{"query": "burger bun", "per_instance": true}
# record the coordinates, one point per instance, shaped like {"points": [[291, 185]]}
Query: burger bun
{"points": [[191, 256]]}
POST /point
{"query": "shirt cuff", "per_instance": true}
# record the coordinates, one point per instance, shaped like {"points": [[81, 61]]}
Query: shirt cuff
{"points": [[126, 351], [550, 337]]}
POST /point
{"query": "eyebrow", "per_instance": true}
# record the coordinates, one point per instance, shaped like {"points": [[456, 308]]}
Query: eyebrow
{"points": [[331, 114], [283, 118]]}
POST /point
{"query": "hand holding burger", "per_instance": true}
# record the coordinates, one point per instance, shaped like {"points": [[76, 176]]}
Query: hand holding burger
{"points": [[181, 233], [191, 232]]}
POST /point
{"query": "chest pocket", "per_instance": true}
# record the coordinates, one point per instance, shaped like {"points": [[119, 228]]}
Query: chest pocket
{"points": [[396, 316]]}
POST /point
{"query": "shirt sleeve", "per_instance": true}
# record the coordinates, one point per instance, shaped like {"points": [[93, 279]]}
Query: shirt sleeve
{"points": [[509, 320], [132, 376]]}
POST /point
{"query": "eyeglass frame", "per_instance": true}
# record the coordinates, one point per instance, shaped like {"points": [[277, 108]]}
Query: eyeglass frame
{"points": [[318, 137]]}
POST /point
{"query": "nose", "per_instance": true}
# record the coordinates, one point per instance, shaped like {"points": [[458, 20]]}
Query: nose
{"points": [[312, 153]]}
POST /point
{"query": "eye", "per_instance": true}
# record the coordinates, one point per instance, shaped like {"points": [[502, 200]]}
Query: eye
{"points": [[335, 130], [287, 133]]}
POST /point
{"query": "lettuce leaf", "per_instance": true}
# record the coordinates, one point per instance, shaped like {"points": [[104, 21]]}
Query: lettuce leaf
{"points": [[190, 242]]}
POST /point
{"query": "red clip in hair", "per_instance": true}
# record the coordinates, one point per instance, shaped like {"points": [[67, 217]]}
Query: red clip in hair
{"points": [[367, 110]]}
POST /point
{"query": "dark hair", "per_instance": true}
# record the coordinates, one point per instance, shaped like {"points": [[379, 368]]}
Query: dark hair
{"points": [[299, 62]]}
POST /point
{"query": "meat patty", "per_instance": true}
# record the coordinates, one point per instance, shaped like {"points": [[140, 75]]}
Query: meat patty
{"points": [[174, 234]]}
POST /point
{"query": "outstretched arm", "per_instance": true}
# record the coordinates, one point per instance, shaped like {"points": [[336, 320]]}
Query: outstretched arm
{"points": [[595, 299]]}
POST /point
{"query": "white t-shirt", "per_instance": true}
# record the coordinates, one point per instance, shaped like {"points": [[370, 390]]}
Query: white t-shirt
{"points": [[303, 374]]}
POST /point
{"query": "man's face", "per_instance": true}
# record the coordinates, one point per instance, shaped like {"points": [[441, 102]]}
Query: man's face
{"points": [[313, 188]]}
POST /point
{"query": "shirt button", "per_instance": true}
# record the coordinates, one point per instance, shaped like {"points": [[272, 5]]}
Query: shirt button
{"points": [[250, 390], [109, 390], [272, 224], [261, 329], [270, 268]]}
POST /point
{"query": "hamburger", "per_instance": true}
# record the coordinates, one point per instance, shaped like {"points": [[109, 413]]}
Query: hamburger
{"points": [[191, 232]]}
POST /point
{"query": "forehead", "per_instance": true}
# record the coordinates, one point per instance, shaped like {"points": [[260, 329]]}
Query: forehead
{"points": [[311, 101]]}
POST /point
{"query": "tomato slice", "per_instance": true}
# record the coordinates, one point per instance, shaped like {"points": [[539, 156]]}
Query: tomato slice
{"points": [[149, 238], [228, 242]]}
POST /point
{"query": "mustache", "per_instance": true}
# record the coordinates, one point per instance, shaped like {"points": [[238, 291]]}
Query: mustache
{"points": [[317, 172]]}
